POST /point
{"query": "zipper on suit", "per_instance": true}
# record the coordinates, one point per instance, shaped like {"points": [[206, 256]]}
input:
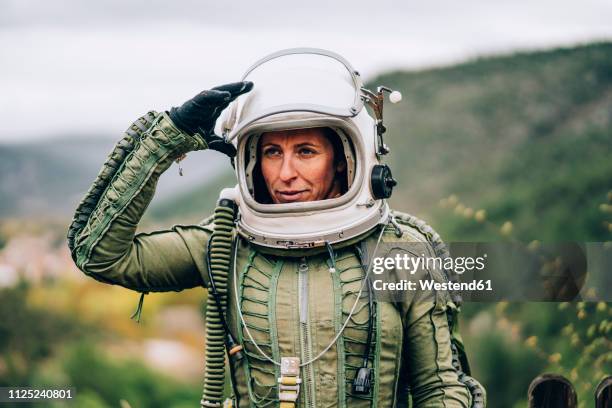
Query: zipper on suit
{"points": [[305, 338]]}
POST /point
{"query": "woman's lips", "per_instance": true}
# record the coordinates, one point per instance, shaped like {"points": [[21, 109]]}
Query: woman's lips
{"points": [[290, 195]]}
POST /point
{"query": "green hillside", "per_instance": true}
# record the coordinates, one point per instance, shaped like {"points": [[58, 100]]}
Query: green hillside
{"points": [[526, 137]]}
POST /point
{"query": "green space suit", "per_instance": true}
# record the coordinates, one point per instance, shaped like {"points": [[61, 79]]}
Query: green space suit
{"points": [[291, 304]]}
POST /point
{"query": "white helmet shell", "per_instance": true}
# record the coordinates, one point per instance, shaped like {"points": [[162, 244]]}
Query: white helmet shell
{"points": [[295, 89]]}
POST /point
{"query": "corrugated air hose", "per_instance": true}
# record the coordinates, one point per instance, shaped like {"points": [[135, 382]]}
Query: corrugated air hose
{"points": [[217, 333]]}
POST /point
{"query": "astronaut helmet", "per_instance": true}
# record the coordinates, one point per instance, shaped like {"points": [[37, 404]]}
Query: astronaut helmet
{"points": [[305, 88]]}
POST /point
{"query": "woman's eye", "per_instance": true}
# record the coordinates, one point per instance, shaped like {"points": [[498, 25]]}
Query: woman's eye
{"points": [[306, 151], [271, 152]]}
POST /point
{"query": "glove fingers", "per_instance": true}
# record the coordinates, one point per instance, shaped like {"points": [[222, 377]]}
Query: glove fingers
{"points": [[198, 115], [235, 88], [212, 97]]}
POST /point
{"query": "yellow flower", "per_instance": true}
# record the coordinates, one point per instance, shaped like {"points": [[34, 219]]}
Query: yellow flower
{"points": [[503, 323], [574, 374], [531, 341], [533, 245], [506, 228], [468, 212], [581, 314], [459, 208], [501, 307], [481, 215], [452, 199], [601, 306], [554, 358]]}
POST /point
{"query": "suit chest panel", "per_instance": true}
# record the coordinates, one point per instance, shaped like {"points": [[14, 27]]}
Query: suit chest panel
{"points": [[295, 307]]}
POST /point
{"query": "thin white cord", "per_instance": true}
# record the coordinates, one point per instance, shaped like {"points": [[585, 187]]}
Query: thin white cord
{"points": [[248, 332], [240, 311]]}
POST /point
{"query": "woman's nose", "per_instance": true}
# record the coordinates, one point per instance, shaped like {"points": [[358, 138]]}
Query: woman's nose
{"points": [[287, 171]]}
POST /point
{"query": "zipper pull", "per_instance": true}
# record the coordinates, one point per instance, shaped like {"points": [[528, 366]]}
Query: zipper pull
{"points": [[303, 288]]}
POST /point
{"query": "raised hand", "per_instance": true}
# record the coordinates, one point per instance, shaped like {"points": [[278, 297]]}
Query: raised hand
{"points": [[198, 115]]}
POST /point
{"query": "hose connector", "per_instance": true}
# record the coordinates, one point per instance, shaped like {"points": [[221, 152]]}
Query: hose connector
{"points": [[234, 350], [363, 381]]}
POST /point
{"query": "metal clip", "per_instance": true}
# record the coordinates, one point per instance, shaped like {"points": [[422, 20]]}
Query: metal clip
{"points": [[398, 229], [367, 204], [376, 102]]}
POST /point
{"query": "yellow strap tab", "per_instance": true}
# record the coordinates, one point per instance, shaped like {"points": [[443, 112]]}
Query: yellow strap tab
{"points": [[288, 382]]}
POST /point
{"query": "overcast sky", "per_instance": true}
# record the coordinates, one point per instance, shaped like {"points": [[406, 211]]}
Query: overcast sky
{"points": [[91, 67]]}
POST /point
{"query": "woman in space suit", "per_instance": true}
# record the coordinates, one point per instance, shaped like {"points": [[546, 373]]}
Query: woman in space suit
{"points": [[287, 254]]}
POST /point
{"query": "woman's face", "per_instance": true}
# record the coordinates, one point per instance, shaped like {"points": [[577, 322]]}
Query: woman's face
{"points": [[298, 165]]}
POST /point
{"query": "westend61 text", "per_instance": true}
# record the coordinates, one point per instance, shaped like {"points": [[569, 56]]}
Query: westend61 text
{"points": [[428, 284]]}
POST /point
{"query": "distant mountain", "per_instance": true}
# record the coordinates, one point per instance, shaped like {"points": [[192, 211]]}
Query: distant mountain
{"points": [[44, 178], [48, 178], [528, 137]]}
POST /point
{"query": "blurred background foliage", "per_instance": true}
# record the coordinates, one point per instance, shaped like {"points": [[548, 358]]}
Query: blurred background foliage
{"points": [[512, 147]]}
